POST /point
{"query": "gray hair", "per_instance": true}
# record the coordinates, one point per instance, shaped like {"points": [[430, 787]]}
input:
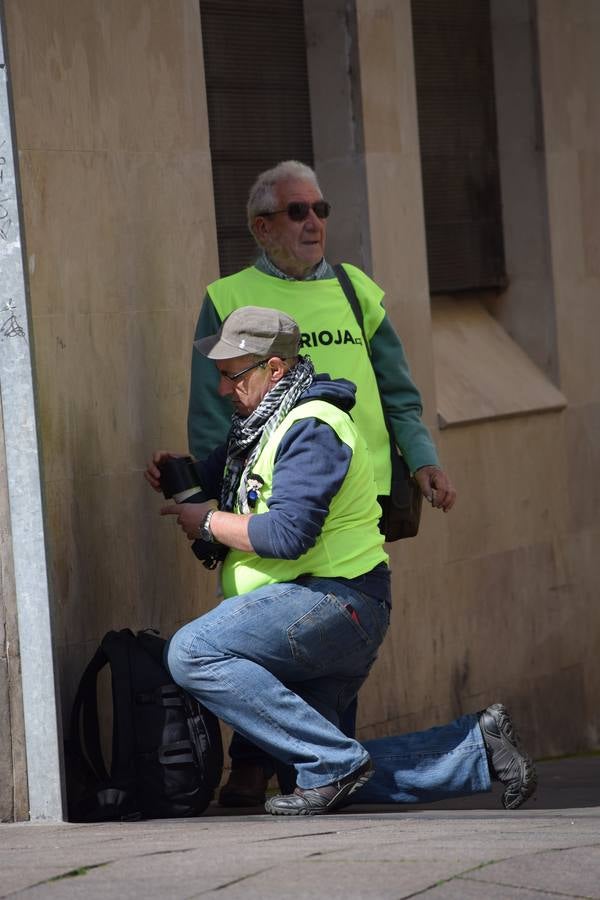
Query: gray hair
{"points": [[262, 193]]}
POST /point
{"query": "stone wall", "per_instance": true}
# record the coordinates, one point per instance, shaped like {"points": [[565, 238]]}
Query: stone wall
{"points": [[496, 600], [111, 129]]}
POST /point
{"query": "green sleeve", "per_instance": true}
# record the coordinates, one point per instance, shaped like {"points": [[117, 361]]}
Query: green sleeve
{"points": [[209, 416], [400, 397]]}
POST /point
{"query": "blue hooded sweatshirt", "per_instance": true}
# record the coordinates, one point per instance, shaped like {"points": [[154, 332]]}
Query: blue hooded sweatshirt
{"points": [[310, 466]]}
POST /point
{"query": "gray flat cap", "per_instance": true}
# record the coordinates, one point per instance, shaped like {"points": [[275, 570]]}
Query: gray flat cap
{"points": [[252, 329]]}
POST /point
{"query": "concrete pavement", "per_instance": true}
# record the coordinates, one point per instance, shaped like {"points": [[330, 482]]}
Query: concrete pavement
{"points": [[463, 849]]}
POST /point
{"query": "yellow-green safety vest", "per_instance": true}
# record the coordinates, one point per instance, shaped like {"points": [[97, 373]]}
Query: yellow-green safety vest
{"points": [[350, 542], [331, 336]]}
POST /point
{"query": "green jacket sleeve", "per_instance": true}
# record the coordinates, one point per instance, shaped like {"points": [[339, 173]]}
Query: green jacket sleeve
{"points": [[400, 397], [209, 416]]}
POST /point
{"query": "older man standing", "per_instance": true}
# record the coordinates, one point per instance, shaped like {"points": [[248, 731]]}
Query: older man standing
{"points": [[287, 216]]}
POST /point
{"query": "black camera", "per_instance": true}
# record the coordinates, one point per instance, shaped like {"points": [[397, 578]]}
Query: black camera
{"points": [[180, 481]]}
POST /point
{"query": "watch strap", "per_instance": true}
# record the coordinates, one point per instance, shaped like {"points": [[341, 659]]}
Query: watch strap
{"points": [[205, 532]]}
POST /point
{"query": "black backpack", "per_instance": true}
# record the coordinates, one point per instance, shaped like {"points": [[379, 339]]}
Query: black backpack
{"points": [[167, 755]]}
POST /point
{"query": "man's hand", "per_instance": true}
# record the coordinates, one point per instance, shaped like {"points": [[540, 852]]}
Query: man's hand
{"points": [[189, 515], [152, 473], [436, 487]]}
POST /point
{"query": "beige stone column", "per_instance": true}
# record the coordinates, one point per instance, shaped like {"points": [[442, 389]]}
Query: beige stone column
{"points": [[569, 38], [394, 184]]}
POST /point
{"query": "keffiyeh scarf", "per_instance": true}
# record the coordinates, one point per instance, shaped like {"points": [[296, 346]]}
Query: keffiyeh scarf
{"points": [[249, 435]]}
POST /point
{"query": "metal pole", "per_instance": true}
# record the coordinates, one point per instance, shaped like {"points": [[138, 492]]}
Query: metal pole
{"points": [[42, 726]]}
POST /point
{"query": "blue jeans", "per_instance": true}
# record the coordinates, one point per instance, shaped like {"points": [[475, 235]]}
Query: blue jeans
{"points": [[423, 766], [281, 664], [242, 752]]}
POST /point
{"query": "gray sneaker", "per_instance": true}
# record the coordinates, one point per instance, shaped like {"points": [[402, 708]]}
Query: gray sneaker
{"points": [[506, 760], [317, 801]]}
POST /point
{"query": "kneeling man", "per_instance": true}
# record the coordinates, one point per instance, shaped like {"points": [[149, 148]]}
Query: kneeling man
{"points": [[305, 581], [307, 590]]}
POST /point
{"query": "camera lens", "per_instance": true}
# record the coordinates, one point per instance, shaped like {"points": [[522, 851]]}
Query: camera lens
{"points": [[178, 479]]}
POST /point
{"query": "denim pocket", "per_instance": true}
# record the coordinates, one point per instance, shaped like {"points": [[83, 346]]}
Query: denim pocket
{"points": [[329, 632]]}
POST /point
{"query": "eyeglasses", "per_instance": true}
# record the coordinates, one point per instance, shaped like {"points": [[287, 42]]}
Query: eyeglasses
{"points": [[298, 211], [237, 375]]}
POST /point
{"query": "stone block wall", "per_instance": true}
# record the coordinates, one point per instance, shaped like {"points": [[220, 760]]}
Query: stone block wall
{"points": [[496, 600]]}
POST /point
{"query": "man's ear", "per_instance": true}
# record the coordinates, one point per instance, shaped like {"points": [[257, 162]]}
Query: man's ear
{"points": [[277, 368], [261, 229]]}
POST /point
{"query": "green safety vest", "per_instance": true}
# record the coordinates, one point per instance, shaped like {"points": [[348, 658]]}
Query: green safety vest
{"points": [[331, 336], [350, 542]]}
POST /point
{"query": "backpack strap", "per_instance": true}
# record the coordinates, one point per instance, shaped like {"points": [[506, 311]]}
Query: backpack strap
{"points": [[165, 695], [177, 753], [85, 732], [116, 646]]}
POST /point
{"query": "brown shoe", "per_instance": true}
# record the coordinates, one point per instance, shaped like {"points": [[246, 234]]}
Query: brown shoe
{"points": [[247, 786]]}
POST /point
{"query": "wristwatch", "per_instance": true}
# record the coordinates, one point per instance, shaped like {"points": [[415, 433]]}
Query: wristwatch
{"points": [[204, 529]]}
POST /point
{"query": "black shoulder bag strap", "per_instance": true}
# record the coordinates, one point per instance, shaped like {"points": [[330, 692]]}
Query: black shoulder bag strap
{"points": [[348, 289], [402, 513]]}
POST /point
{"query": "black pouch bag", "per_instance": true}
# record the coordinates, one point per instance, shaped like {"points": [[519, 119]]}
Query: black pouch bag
{"points": [[401, 510], [167, 755]]}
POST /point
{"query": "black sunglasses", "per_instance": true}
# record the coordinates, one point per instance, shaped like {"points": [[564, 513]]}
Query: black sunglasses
{"points": [[298, 211], [237, 375]]}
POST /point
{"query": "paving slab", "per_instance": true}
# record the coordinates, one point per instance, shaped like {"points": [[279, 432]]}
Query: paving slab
{"points": [[461, 849]]}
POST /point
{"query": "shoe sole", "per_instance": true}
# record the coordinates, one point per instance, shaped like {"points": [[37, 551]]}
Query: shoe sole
{"points": [[339, 800], [523, 785]]}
